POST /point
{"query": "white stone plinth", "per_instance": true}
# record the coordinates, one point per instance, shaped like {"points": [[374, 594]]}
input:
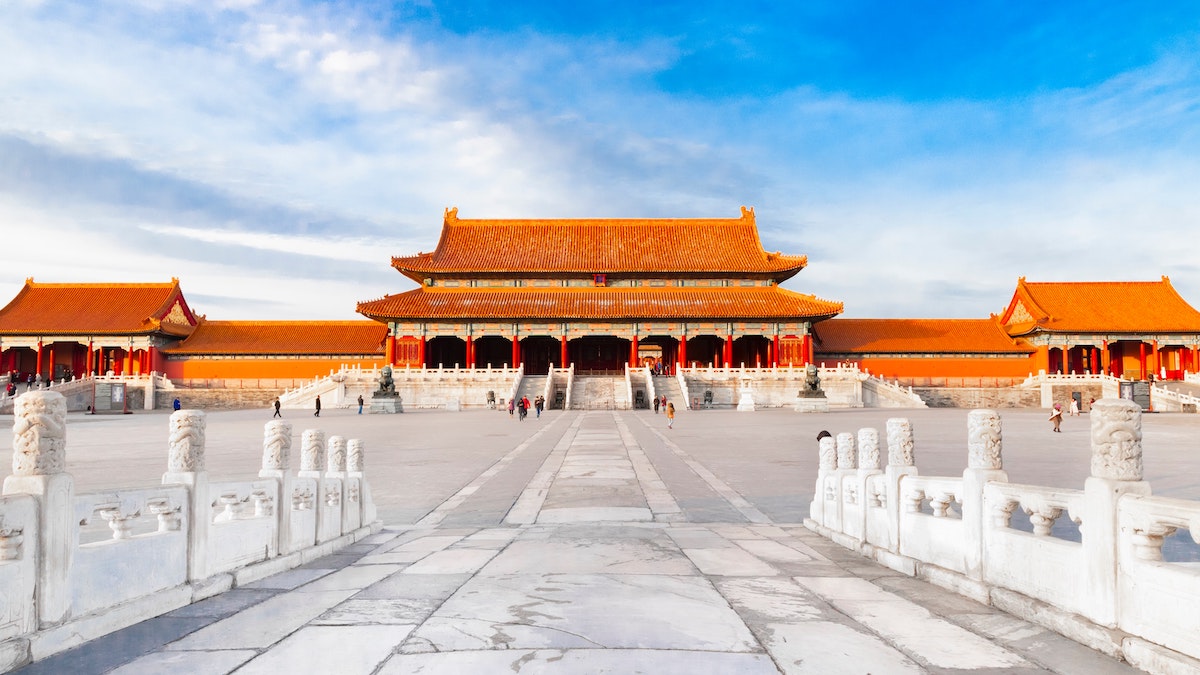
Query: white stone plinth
{"points": [[746, 402], [810, 405], [386, 405]]}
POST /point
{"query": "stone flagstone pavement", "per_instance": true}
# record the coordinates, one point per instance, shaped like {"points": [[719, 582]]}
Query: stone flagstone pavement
{"points": [[597, 545]]}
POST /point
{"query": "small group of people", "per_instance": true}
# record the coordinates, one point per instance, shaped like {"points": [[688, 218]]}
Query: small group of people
{"points": [[1056, 414], [659, 368]]}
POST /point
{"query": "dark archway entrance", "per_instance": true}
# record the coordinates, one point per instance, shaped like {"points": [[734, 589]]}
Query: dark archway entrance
{"points": [[752, 351], [446, 351], [706, 350], [662, 347], [538, 352], [492, 350], [598, 355]]}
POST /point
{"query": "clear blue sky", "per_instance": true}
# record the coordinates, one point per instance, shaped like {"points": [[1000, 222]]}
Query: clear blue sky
{"points": [[275, 155]]}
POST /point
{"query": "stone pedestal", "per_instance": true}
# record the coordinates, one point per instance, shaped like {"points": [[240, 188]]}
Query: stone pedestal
{"points": [[386, 404], [812, 404], [746, 402]]}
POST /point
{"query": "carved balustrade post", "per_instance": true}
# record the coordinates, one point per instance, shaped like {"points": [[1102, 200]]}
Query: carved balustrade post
{"points": [[868, 465], [984, 464], [312, 466], [39, 469], [355, 458], [901, 457], [1116, 429], [826, 469], [185, 466], [847, 462], [276, 464], [335, 482]]}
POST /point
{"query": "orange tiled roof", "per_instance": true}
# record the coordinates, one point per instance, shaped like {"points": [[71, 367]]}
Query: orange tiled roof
{"points": [[1099, 306], [284, 337], [616, 246], [90, 309], [928, 336], [761, 302]]}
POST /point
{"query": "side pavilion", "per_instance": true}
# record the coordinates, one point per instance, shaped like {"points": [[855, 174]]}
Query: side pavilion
{"points": [[599, 294], [64, 330]]}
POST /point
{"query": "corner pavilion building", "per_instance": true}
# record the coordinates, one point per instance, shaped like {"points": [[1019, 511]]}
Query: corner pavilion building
{"points": [[599, 294]]}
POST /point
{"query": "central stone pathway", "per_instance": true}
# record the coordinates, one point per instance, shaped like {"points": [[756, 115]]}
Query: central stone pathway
{"points": [[583, 562]]}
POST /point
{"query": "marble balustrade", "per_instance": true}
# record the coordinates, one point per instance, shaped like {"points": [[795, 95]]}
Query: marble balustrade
{"points": [[77, 566], [1106, 586]]}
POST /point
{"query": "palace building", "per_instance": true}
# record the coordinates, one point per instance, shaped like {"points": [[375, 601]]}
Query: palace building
{"points": [[1128, 329], [60, 330], [599, 294]]}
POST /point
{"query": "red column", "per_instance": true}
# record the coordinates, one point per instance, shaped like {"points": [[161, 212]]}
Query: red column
{"points": [[774, 350], [1096, 368], [1142, 359], [1157, 358], [39, 356], [90, 358], [100, 361], [421, 351], [805, 347], [633, 352], [470, 351], [389, 349], [563, 348], [516, 360], [729, 351], [683, 350]]}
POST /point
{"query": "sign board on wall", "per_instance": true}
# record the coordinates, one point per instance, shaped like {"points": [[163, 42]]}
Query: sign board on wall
{"points": [[109, 397]]}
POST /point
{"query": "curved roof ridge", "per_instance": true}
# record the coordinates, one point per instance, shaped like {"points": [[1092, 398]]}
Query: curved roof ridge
{"points": [[642, 246]]}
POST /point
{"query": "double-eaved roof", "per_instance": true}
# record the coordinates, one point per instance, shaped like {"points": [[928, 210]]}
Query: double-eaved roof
{"points": [[667, 249], [1144, 307], [631, 247], [98, 309]]}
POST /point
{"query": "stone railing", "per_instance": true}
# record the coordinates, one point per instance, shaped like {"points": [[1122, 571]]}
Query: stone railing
{"points": [[884, 394], [1087, 563], [518, 374], [683, 389], [74, 567], [1166, 400], [548, 387], [651, 393], [570, 386]]}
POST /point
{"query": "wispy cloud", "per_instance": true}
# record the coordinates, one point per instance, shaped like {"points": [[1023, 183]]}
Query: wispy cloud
{"points": [[274, 155]]}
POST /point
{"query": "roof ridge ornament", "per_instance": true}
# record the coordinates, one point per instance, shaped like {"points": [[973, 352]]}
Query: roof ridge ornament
{"points": [[451, 215]]}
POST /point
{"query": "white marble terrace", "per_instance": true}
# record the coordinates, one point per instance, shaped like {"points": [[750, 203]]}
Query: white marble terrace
{"points": [[77, 566], [1109, 589]]}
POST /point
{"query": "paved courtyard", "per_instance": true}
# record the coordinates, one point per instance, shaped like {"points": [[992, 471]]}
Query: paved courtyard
{"points": [[595, 541]]}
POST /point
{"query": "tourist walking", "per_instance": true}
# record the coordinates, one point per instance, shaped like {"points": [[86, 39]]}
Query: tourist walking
{"points": [[521, 409], [360, 404], [176, 404], [670, 415], [1056, 417], [317, 412], [1074, 408], [277, 414], [538, 404], [655, 405], [511, 404]]}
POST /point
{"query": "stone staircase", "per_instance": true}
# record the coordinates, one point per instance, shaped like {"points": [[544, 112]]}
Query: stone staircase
{"points": [[669, 387], [532, 386], [599, 392]]}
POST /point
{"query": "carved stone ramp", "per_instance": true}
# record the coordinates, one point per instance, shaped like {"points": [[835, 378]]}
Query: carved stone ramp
{"points": [[602, 542]]}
